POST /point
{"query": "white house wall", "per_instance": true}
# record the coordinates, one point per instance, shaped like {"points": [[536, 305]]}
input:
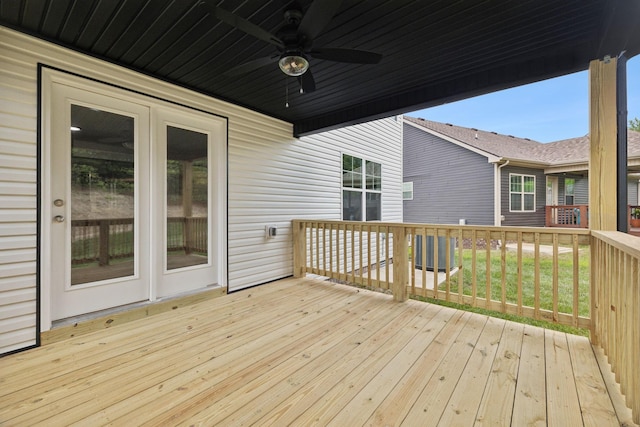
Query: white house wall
{"points": [[272, 177], [272, 182]]}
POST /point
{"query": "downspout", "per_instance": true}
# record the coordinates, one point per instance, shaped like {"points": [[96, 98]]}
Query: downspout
{"points": [[497, 196]]}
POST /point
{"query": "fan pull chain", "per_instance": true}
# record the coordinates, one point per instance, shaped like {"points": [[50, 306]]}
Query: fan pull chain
{"points": [[286, 93]]}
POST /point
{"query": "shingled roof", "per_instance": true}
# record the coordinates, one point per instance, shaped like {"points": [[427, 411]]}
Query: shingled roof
{"points": [[508, 147], [576, 150]]}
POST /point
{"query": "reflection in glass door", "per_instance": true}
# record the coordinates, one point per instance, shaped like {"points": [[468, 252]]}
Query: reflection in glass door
{"points": [[187, 198], [96, 188], [102, 195]]}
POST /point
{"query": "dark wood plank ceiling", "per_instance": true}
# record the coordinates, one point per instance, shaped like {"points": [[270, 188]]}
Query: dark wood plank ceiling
{"points": [[434, 51]]}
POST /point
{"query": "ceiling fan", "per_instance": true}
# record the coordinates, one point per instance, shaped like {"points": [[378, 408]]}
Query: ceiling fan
{"points": [[294, 41]]}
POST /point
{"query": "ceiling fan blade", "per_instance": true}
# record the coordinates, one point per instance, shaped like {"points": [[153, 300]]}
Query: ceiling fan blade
{"points": [[252, 65], [307, 82], [242, 24], [317, 17], [346, 55]]}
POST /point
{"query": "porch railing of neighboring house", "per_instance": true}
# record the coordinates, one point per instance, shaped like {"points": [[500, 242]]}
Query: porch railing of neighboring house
{"points": [[634, 216], [105, 240], [615, 296], [568, 216]]}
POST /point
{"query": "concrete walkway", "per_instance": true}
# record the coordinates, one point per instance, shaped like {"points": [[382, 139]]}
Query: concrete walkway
{"points": [[544, 249]]}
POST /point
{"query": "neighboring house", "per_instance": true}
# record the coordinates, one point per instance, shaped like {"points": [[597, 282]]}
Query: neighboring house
{"points": [[452, 173], [192, 161]]}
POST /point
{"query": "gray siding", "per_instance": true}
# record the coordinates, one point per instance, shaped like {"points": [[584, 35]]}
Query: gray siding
{"points": [[580, 190], [449, 182], [524, 219], [632, 191]]}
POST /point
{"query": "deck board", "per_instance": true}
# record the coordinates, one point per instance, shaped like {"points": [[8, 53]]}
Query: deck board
{"points": [[305, 352]]}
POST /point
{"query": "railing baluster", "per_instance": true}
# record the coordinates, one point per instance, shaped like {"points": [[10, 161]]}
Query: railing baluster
{"points": [[460, 265], [488, 297], [330, 251], [576, 280], [555, 296], [386, 256], [361, 254], [345, 262], [353, 253], [376, 260], [536, 277], [520, 267], [474, 280], [317, 248], [503, 271], [447, 259], [424, 262], [412, 259], [436, 262], [311, 251], [368, 255]]}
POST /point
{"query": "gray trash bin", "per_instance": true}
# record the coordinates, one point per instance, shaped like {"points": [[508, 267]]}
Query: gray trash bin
{"points": [[442, 253]]}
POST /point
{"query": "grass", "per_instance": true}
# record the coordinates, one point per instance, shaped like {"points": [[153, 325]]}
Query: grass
{"points": [[510, 317], [546, 268], [546, 272]]}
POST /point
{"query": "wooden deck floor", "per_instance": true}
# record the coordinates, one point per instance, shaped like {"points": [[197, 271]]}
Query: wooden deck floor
{"points": [[304, 352]]}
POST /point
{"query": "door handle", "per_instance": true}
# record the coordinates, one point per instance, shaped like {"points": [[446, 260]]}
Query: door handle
{"points": [[58, 218]]}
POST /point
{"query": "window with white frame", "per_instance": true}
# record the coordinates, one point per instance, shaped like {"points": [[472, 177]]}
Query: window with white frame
{"points": [[522, 193], [361, 189], [407, 191]]}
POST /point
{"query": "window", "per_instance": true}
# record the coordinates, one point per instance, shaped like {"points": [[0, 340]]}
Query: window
{"points": [[361, 189], [407, 191], [522, 193], [569, 188]]}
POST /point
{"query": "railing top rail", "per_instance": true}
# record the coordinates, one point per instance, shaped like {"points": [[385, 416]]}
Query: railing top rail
{"points": [[548, 230], [98, 220], [623, 241]]}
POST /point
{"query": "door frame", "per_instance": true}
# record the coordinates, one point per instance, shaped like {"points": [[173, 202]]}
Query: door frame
{"points": [[554, 190], [50, 75]]}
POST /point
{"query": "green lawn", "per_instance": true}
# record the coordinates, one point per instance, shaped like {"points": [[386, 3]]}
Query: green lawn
{"points": [[565, 282], [564, 271]]}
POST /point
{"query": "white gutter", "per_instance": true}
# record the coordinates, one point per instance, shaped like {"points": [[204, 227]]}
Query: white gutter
{"points": [[497, 194]]}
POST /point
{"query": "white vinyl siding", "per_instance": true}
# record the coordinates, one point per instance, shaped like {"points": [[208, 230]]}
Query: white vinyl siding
{"points": [[18, 202], [274, 182], [272, 177]]}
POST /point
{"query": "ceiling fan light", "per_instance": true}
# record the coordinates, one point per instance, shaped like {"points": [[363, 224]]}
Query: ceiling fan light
{"points": [[293, 65]]}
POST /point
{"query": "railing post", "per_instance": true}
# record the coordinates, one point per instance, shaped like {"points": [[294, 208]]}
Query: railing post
{"points": [[597, 264], [188, 235], [584, 216], [603, 127], [400, 263], [104, 241], [547, 216], [299, 248]]}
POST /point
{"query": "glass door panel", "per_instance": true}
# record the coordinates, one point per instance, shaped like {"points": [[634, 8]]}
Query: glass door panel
{"points": [[187, 198], [102, 195], [96, 196]]}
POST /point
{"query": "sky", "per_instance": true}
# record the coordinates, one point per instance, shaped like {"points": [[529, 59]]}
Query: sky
{"points": [[546, 111]]}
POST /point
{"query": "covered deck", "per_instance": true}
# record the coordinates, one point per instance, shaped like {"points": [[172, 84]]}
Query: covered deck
{"points": [[310, 352]]}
